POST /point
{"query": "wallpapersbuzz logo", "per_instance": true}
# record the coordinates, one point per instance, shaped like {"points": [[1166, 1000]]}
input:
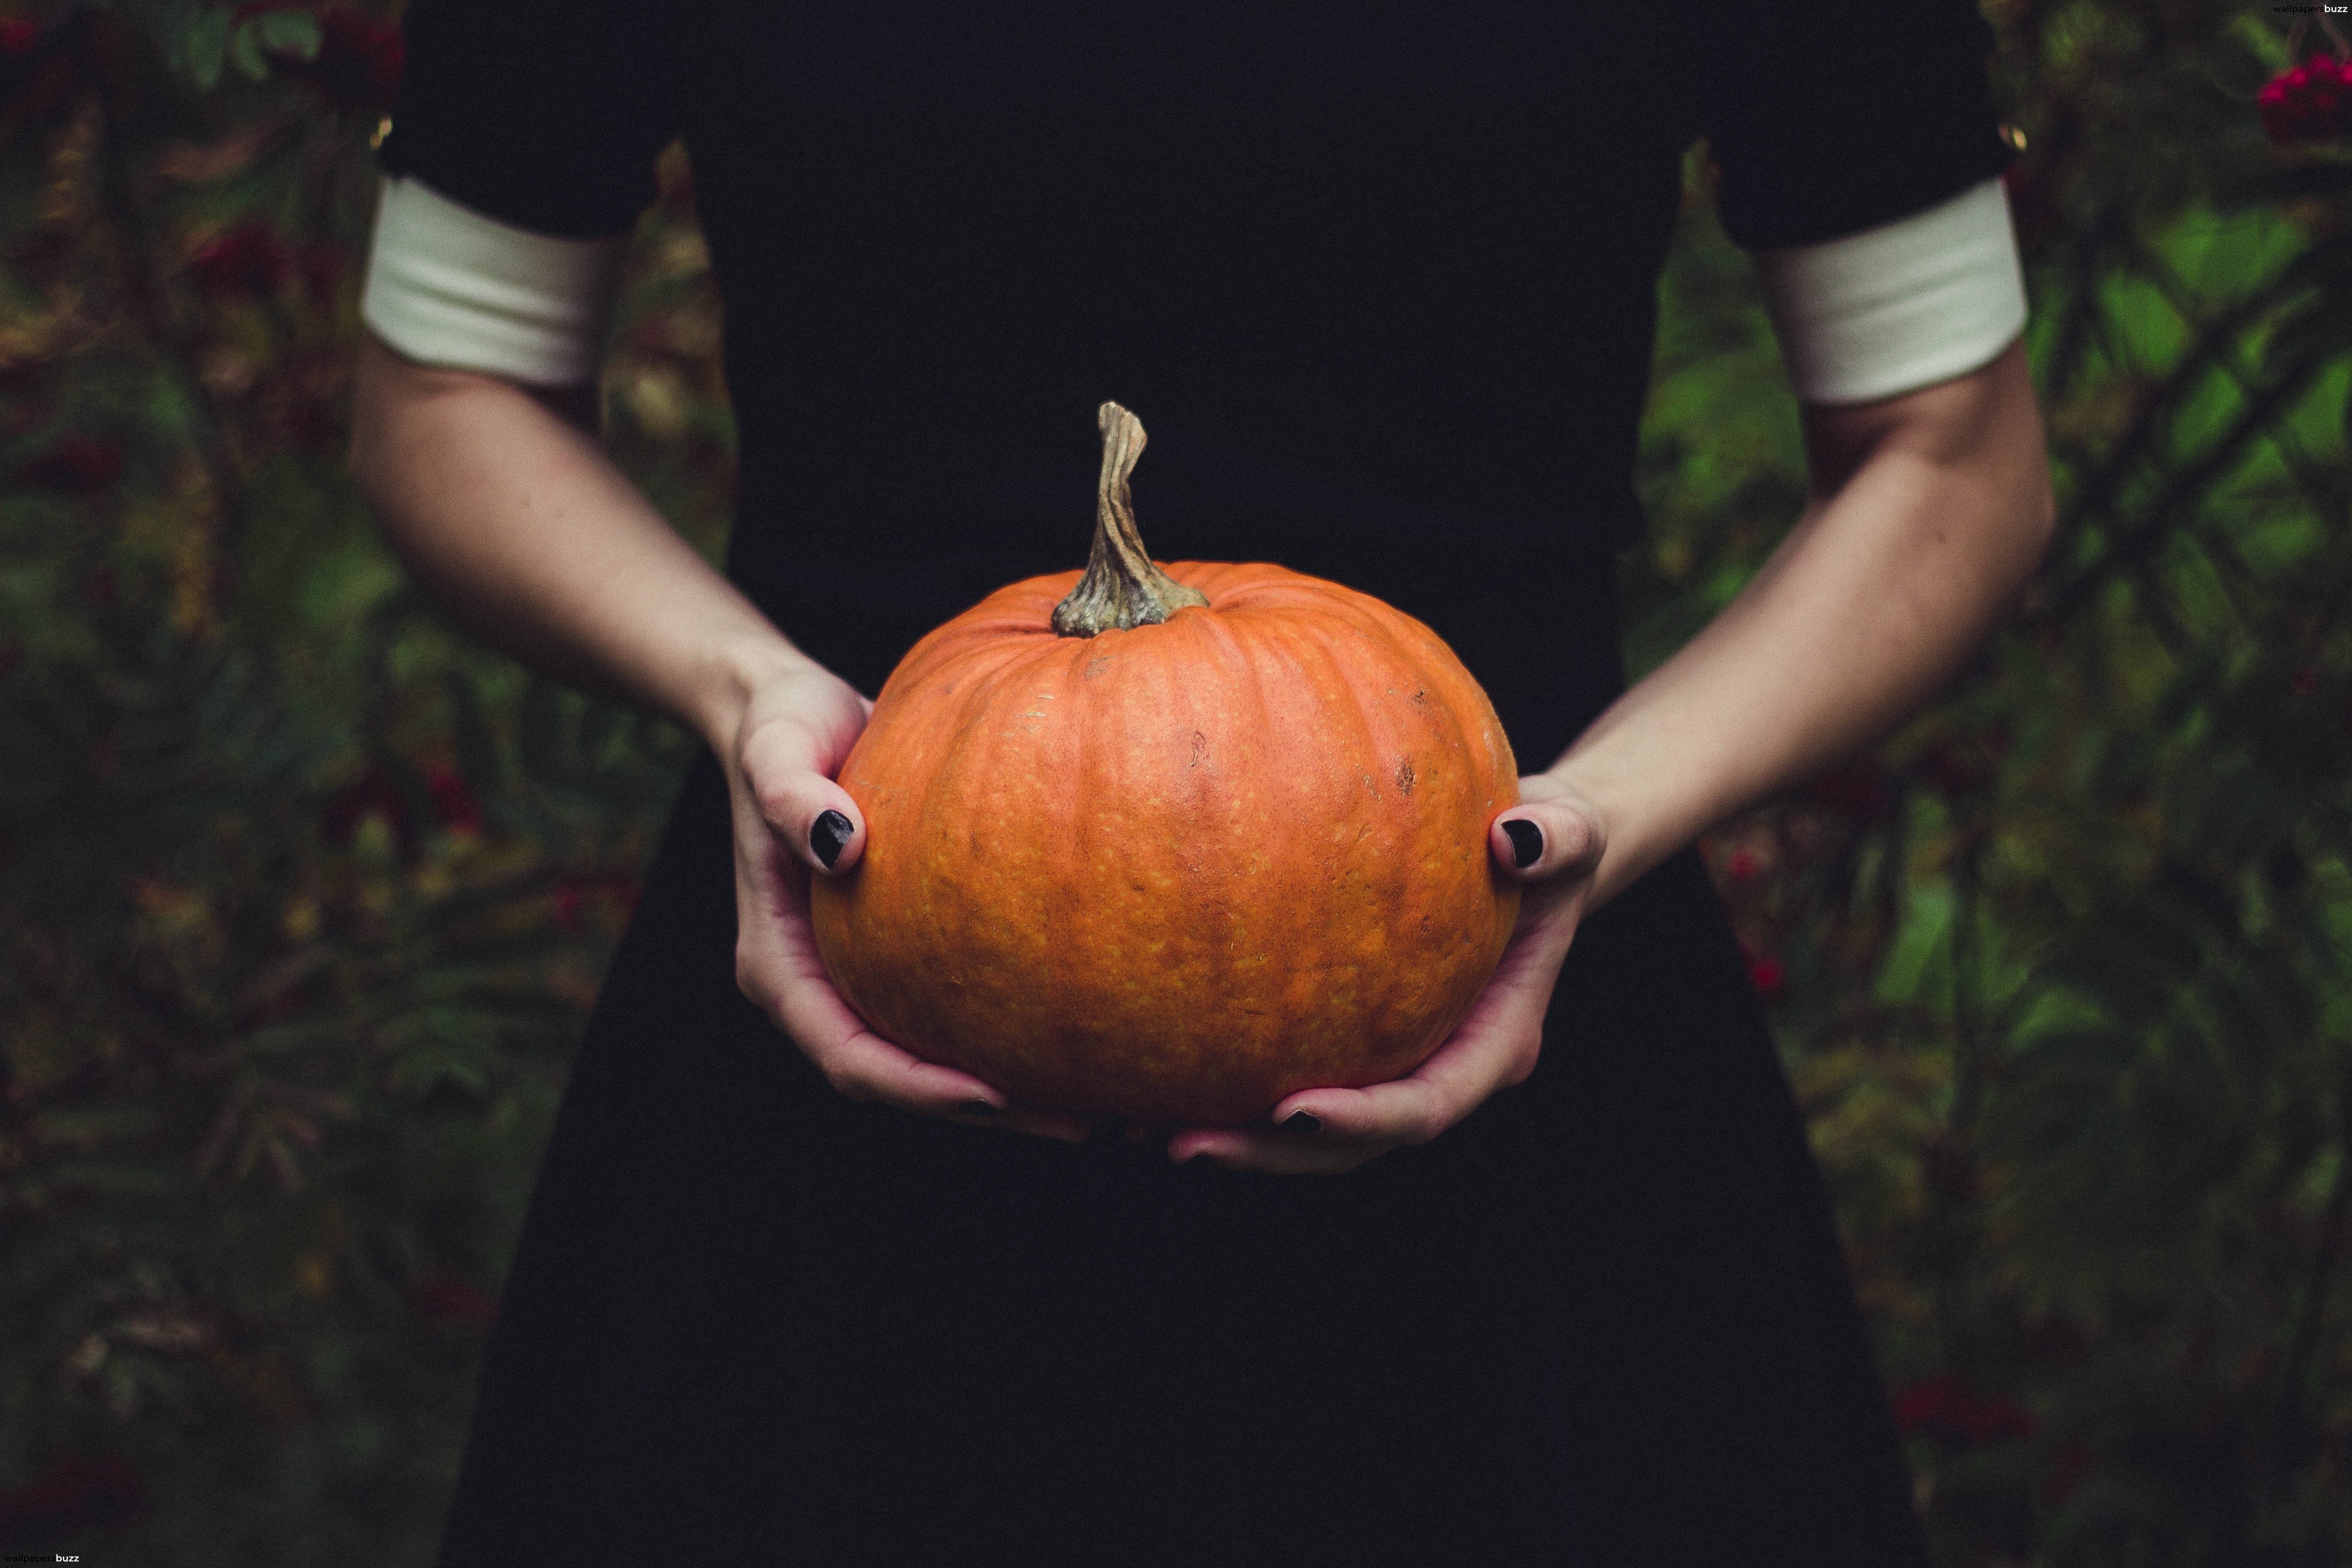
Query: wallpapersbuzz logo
{"points": [[36, 1557]]}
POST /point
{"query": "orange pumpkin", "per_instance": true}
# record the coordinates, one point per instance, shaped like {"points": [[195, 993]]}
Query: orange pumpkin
{"points": [[1171, 845]]}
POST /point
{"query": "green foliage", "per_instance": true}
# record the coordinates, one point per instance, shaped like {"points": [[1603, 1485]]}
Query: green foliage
{"points": [[2064, 994], [303, 898]]}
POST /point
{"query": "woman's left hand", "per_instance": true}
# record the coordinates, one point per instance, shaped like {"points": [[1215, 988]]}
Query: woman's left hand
{"points": [[1323, 1132]]}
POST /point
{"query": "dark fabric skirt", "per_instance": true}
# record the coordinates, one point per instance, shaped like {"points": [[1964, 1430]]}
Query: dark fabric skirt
{"points": [[1605, 1321]]}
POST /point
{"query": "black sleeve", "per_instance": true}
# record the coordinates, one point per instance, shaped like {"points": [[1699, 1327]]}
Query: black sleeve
{"points": [[544, 115], [1829, 116]]}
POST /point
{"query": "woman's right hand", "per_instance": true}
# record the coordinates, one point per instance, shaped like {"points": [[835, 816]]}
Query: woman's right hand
{"points": [[793, 822]]}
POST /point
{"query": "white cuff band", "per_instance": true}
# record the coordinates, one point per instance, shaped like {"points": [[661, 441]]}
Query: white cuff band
{"points": [[447, 286], [1899, 307]]}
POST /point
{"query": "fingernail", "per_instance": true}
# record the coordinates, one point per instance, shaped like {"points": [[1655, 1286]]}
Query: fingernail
{"points": [[831, 832], [978, 1108], [1527, 842], [1302, 1122]]}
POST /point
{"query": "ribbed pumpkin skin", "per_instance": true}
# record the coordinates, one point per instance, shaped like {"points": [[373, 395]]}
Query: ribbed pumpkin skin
{"points": [[1178, 871]]}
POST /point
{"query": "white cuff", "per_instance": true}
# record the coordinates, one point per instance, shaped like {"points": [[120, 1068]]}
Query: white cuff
{"points": [[1899, 307], [447, 286]]}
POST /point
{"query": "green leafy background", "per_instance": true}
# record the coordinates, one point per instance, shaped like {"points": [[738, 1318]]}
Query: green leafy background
{"points": [[303, 897]]}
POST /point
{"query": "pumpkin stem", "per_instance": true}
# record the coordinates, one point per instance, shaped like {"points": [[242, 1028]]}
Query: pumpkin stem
{"points": [[1122, 589]]}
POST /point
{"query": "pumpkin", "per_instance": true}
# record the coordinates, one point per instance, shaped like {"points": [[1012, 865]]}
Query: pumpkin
{"points": [[1171, 844]]}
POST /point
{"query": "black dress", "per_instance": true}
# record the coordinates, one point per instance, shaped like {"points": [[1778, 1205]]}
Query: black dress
{"points": [[1380, 279]]}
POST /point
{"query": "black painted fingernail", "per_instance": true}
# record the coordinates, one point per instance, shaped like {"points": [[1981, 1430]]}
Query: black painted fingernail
{"points": [[1302, 1122], [1526, 841], [831, 831], [979, 1108]]}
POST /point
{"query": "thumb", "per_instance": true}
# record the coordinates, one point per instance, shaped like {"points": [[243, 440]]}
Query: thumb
{"points": [[814, 818], [1536, 840]]}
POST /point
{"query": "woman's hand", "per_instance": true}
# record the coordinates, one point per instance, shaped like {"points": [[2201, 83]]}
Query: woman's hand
{"points": [[1322, 1132], [793, 822]]}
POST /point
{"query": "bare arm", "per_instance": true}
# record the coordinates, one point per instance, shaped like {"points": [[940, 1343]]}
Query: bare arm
{"points": [[521, 528], [1929, 511], [511, 515]]}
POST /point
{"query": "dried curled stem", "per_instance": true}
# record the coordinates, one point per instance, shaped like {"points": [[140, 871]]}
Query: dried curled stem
{"points": [[1122, 589]]}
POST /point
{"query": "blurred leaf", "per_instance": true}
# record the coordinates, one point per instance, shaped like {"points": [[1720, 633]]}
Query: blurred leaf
{"points": [[1914, 968], [294, 33], [245, 48], [207, 45], [2262, 38]]}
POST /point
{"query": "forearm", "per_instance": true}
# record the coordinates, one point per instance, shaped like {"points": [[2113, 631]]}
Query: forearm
{"points": [[1926, 520], [526, 533]]}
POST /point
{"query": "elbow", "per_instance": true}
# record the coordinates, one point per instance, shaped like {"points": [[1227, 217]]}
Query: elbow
{"points": [[2015, 444], [2035, 506], [2023, 521], [396, 411]]}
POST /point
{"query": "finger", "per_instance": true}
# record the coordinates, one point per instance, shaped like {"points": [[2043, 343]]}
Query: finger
{"points": [[1538, 839], [1413, 1109], [786, 974], [777, 965], [1274, 1152], [1495, 1047], [864, 1066], [867, 1067], [1333, 1130], [813, 816], [779, 968]]}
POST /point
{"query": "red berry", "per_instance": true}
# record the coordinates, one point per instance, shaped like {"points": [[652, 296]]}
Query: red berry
{"points": [[452, 799], [2313, 101], [247, 259], [1945, 1408], [359, 62]]}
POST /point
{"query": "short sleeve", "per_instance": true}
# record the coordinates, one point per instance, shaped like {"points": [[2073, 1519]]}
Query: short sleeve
{"points": [[1830, 117], [546, 115], [447, 286], [1899, 307]]}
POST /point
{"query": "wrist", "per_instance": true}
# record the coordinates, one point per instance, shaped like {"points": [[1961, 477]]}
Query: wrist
{"points": [[731, 675], [1637, 833]]}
